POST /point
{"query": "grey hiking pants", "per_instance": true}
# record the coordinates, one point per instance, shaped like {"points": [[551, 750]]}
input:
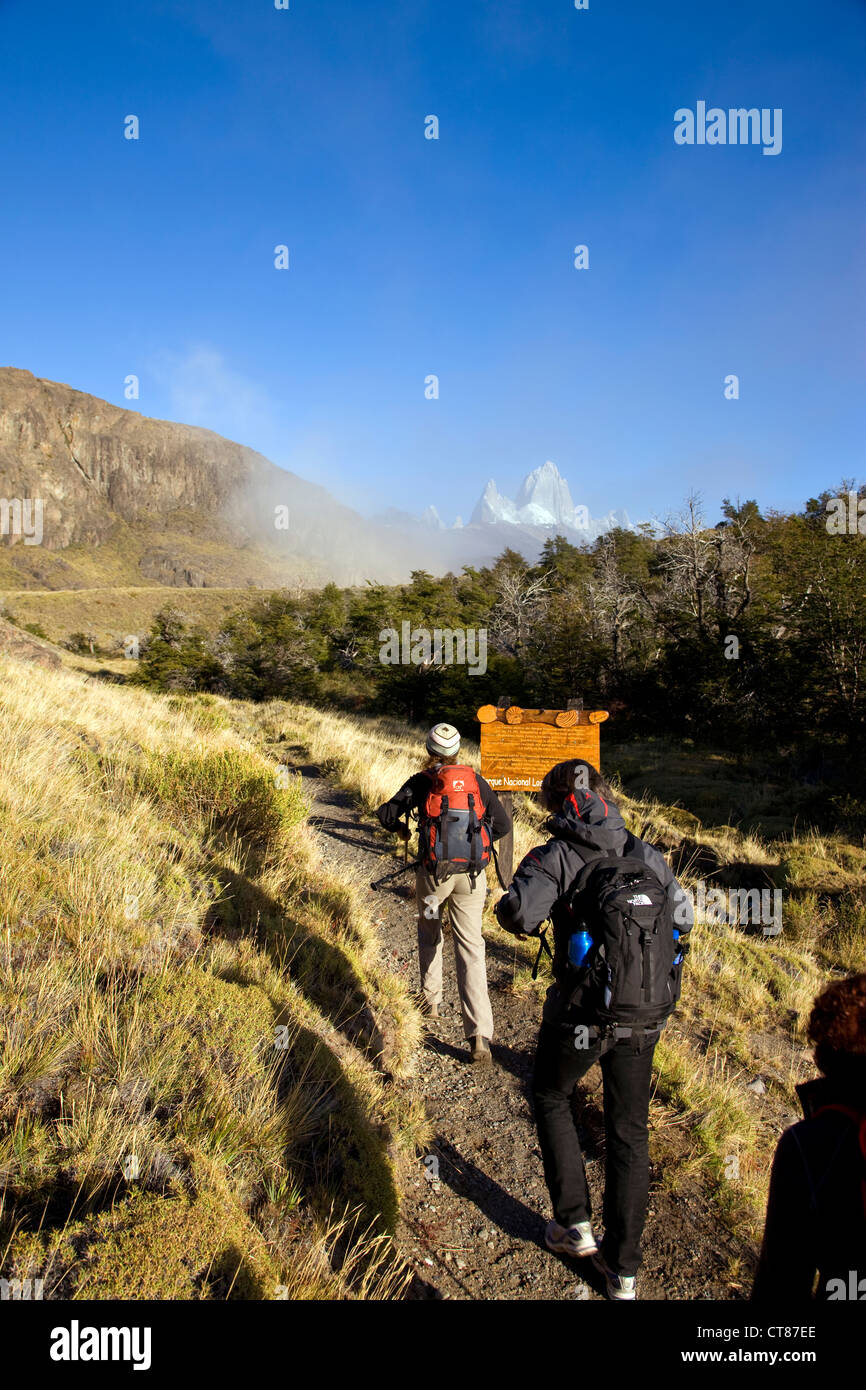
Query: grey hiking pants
{"points": [[465, 906]]}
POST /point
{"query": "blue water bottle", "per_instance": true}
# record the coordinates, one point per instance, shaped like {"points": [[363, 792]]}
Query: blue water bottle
{"points": [[579, 945], [679, 955]]}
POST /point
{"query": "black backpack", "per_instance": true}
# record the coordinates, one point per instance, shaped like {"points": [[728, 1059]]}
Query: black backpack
{"points": [[628, 976]]}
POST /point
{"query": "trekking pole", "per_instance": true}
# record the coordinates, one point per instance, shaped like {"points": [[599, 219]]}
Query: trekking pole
{"points": [[542, 947], [407, 863], [380, 882]]}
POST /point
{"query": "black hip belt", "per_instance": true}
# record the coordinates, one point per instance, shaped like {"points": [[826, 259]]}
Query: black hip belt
{"points": [[614, 1031]]}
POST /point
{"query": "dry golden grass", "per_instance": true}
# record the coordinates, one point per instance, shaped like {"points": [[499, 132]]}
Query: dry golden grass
{"points": [[189, 1002], [112, 615]]}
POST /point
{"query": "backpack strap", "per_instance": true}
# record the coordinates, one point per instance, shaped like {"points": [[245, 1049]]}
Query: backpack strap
{"points": [[502, 884], [583, 874], [441, 822], [475, 841]]}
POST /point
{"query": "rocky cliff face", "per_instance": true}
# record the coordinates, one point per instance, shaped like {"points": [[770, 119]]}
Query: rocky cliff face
{"points": [[93, 463], [131, 500]]}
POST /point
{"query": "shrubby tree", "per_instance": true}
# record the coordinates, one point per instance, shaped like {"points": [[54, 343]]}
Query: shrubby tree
{"points": [[750, 627]]}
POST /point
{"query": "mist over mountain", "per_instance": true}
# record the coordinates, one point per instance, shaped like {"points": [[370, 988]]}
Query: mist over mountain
{"points": [[129, 500], [542, 508], [126, 500]]}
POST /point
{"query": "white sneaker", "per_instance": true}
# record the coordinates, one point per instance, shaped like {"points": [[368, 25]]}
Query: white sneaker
{"points": [[575, 1240], [621, 1288]]}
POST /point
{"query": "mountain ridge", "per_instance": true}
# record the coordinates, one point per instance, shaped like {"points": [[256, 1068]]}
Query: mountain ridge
{"points": [[126, 499]]}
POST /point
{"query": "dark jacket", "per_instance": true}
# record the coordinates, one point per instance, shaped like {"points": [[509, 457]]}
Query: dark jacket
{"points": [[414, 793], [816, 1222], [587, 826]]}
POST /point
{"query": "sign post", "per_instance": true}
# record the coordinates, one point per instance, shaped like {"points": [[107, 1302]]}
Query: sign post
{"points": [[519, 746], [506, 844]]}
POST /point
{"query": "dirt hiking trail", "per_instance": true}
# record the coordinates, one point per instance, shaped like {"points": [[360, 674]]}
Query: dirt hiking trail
{"points": [[476, 1231]]}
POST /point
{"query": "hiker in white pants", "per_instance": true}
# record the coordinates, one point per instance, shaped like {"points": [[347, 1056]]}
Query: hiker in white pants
{"points": [[465, 909], [459, 817]]}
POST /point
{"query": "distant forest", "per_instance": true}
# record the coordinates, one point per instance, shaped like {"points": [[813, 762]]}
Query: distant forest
{"points": [[746, 634]]}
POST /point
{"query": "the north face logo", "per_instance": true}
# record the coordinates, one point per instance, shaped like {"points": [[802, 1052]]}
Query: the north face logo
{"points": [[458, 786], [640, 900]]}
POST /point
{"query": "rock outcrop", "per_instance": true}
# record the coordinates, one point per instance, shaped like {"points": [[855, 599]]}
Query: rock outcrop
{"points": [[126, 499], [15, 642]]}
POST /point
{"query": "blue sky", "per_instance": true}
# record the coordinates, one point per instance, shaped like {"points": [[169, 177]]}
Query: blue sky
{"points": [[455, 257]]}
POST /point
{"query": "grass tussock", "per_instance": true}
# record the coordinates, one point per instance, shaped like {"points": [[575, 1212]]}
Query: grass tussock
{"points": [[200, 1056]]}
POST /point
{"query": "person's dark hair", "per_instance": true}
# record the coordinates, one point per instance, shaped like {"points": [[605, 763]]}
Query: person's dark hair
{"points": [[438, 761], [837, 1027], [558, 784]]}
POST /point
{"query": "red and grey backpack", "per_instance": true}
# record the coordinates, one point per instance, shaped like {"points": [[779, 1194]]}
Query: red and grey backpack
{"points": [[453, 836]]}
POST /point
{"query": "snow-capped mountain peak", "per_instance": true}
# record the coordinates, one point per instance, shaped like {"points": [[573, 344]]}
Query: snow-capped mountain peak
{"points": [[492, 507], [544, 501], [431, 517], [544, 498]]}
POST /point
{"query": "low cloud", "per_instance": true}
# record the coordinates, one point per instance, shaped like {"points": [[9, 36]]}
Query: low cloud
{"points": [[202, 389]]}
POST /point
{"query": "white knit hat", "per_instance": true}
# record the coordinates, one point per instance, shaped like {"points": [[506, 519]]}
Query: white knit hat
{"points": [[443, 741]]}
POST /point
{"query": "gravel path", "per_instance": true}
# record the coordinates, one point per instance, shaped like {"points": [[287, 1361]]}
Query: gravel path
{"points": [[473, 1217]]}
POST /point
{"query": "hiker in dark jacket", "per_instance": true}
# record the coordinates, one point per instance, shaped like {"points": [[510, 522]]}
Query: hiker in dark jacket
{"points": [[465, 896], [585, 823], [816, 1212]]}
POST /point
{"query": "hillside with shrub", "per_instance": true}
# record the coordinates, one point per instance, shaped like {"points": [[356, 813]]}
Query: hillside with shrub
{"points": [[748, 635], [206, 1080]]}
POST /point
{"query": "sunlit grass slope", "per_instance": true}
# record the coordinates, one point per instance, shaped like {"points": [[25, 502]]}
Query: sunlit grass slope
{"points": [[201, 1090]]}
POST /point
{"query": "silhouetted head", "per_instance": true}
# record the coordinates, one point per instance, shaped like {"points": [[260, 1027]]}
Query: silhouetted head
{"points": [[837, 1027]]}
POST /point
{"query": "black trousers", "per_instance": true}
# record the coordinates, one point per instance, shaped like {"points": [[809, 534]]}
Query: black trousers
{"points": [[626, 1068]]}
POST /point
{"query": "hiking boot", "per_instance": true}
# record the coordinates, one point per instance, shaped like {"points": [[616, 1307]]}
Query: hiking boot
{"points": [[426, 1009], [619, 1287], [577, 1240], [479, 1051]]}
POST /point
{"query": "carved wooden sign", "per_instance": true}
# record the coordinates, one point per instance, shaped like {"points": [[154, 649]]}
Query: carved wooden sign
{"points": [[518, 746]]}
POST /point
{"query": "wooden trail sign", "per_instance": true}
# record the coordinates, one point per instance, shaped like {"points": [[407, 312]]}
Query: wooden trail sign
{"points": [[518, 746]]}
